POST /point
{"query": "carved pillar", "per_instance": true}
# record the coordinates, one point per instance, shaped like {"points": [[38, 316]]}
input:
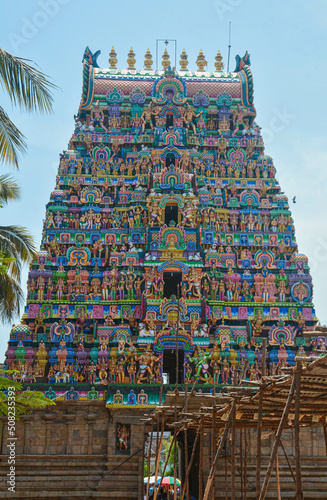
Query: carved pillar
{"points": [[68, 417], [48, 418], [90, 418], [26, 419]]}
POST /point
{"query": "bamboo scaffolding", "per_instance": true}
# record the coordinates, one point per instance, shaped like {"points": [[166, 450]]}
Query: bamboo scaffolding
{"points": [[233, 458], [191, 459], [277, 479], [149, 463], [288, 400], [288, 461], [298, 484], [276, 442], [218, 452]]}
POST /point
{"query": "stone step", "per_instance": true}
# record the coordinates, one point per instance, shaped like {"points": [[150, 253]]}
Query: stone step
{"points": [[41, 473]]}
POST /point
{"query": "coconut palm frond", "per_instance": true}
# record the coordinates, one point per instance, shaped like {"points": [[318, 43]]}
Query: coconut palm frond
{"points": [[11, 298], [12, 141], [17, 242], [9, 189], [27, 86]]}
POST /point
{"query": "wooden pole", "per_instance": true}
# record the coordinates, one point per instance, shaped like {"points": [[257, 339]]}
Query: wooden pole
{"points": [[186, 448], [166, 462], [276, 441], [245, 462], [259, 424], [218, 452], [258, 457], [175, 470], [288, 462], [149, 463], [325, 434], [200, 463], [233, 458], [177, 332], [298, 484], [277, 479], [226, 489], [191, 460], [241, 460], [264, 357], [214, 439], [158, 453]]}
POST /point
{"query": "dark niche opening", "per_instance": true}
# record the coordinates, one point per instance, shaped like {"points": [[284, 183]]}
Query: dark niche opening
{"points": [[171, 280], [170, 160], [169, 120], [171, 214], [169, 366]]}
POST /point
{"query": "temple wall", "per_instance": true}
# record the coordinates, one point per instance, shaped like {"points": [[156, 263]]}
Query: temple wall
{"points": [[71, 451]]}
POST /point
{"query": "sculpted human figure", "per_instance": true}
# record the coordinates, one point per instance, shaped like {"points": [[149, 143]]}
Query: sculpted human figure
{"points": [[189, 116], [200, 359], [146, 117], [97, 117]]}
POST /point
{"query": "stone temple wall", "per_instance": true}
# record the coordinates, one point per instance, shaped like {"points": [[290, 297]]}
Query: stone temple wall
{"points": [[70, 451]]}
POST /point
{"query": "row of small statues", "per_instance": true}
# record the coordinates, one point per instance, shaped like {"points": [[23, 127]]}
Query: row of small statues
{"points": [[221, 168], [216, 366], [236, 120], [190, 215]]}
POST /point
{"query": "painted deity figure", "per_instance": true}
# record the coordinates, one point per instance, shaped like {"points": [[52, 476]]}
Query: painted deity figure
{"points": [[97, 117], [189, 117], [200, 360], [146, 117]]}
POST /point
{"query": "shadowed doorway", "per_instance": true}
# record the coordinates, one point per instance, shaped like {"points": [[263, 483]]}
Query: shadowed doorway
{"points": [[171, 280]]}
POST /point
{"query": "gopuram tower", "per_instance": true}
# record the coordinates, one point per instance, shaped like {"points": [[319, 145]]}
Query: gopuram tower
{"points": [[166, 231]]}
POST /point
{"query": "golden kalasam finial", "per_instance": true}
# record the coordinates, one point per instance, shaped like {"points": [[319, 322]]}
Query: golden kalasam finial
{"points": [[113, 58], [131, 59], [148, 60], [165, 60], [201, 61], [183, 61], [219, 65]]}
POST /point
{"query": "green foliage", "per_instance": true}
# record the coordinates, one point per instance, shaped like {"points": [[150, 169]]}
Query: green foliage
{"points": [[25, 401], [170, 465], [31, 90], [28, 88]]}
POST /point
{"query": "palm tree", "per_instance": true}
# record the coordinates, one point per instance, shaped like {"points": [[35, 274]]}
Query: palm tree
{"points": [[16, 248], [30, 89]]}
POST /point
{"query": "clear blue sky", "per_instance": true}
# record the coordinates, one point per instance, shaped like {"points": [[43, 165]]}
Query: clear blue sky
{"points": [[286, 39]]}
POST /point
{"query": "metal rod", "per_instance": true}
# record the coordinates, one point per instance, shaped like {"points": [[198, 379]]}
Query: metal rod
{"points": [[157, 49], [229, 44]]}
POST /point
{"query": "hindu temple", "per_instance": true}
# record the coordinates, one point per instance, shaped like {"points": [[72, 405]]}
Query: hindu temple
{"points": [[168, 257]]}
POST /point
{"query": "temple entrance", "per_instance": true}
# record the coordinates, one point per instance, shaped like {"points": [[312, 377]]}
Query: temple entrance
{"points": [[171, 214], [171, 280], [169, 366]]}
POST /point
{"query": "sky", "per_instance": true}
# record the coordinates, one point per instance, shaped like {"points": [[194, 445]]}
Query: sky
{"points": [[287, 42]]}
